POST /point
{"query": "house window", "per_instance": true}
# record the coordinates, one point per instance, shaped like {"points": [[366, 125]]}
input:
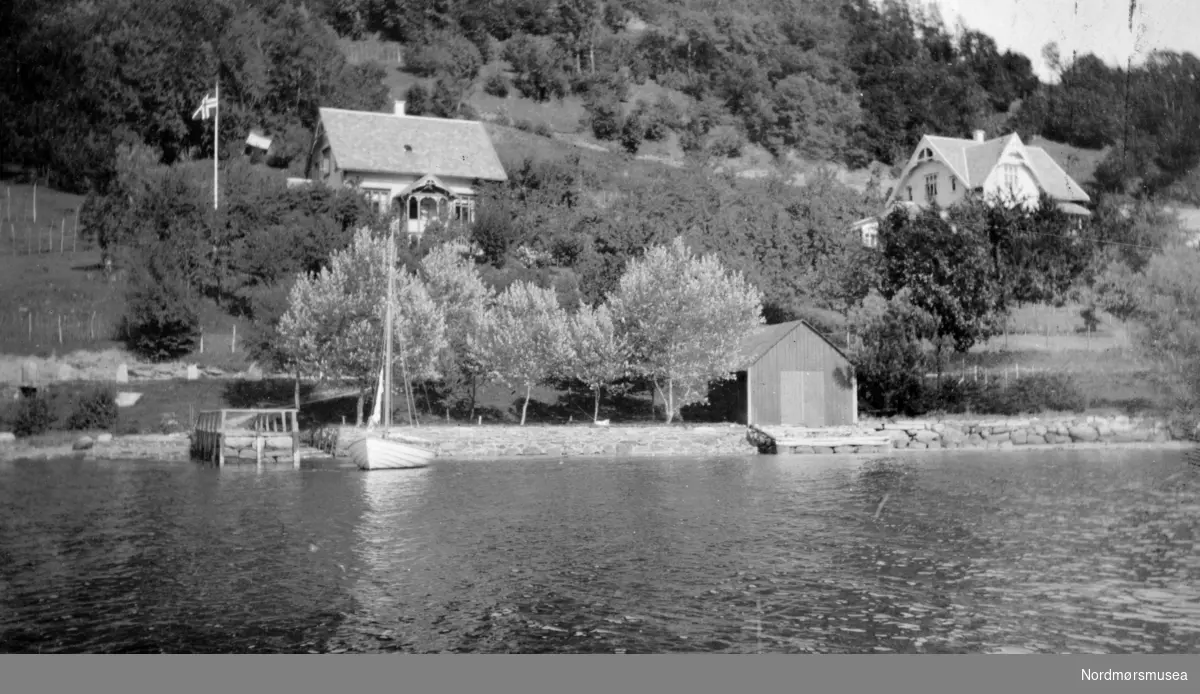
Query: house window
{"points": [[870, 236], [379, 197], [953, 184], [1011, 178], [464, 211], [413, 208], [931, 187], [326, 163], [910, 193]]}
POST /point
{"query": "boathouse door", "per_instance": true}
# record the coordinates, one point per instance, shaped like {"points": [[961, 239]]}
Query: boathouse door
{"points": [[802, 398]]}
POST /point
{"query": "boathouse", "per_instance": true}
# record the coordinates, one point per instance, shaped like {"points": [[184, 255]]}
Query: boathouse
{"points": [[789, 374]]}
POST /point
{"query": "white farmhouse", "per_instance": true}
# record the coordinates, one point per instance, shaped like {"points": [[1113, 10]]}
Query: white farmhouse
{"points": [[943, 170], [1003, 170], [418, 169]]}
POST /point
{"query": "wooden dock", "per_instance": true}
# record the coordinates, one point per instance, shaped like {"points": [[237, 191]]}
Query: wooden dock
{"points": [[222, 435], [771, 439]]}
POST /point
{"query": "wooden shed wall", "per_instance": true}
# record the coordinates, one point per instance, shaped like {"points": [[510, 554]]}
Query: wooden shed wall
{"points": [[805, 351]]}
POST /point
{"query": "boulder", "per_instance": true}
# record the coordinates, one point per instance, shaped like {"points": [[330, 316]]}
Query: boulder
{"points": [[823, 450], [1004, 445], [193, 372], [934, 445], [1019, 437], [917, 445], [83, 443], [926, 436], [7, 437], [1103, 428], [1039, 429], [1035, 440], [1083, 432], [952, 435], [104, 438], [122, 374], [845, 449], [66, 373], [898, 435], [974, 440]]}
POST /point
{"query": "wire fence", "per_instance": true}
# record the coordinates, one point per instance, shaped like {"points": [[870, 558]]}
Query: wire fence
{"points": [[26, 329], [26, 237]]}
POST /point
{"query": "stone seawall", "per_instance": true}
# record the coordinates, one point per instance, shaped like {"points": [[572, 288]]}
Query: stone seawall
{"points": [[990, 433], [475, 442]]}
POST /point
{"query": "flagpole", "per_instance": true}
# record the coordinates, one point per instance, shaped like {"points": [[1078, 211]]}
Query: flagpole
{"points": [[216, 138]]}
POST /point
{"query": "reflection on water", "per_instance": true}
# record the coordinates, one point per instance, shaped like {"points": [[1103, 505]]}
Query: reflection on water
{"points": [[1064, 551]]}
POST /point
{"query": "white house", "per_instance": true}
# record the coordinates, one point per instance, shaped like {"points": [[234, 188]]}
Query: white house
{"points": [[419, 169], [1004, 170]]}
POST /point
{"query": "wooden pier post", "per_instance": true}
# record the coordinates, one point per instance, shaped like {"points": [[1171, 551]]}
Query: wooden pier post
{"points": [[221, 441]]}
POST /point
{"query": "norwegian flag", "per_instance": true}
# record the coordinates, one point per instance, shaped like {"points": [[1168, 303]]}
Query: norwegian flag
{"points": [[206, 108]]}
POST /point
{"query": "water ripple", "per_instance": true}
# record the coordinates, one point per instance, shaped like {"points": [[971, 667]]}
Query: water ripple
{"points": [[1057, 552]]}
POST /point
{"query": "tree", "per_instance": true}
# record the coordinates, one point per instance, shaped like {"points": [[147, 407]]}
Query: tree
{"points": [[1168, 310], [453, 282], [598, 356], [333, 327], [890, 366], [527, 338], [161, 319], [684, 317], [949, 270]]}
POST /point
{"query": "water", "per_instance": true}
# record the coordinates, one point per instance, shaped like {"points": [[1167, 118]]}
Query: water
{"points": [[1056, 551]]}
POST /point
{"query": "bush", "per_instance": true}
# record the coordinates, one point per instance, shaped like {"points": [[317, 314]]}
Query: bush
{"points": [[497, 85], [94, 409], [33, 416], [524, 125], [1032, 394], [161, 319], [543, 129], [444, 53], [416, 100], [728, 143], [632, 132]]}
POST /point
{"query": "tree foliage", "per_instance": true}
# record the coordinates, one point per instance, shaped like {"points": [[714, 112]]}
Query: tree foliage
{"points": [[527, 338], [684, 318], [598, 356]]}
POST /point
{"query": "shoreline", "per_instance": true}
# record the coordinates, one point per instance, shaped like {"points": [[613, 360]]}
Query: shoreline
{"points": [[175, 448]]}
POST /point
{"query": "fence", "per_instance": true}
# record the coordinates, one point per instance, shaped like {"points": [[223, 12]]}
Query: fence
{"points": [[25, 237], [385, 52], [24, 329]]}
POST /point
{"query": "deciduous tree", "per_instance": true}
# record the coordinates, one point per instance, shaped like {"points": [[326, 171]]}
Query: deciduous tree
{"points": [[527, 338], [684, 317]]}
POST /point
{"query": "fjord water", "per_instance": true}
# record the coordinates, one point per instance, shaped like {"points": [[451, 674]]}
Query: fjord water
{"points": [[1052, 551]]}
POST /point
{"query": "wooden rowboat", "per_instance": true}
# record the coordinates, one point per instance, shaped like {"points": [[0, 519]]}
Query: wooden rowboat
{"points": [[374, 452]]}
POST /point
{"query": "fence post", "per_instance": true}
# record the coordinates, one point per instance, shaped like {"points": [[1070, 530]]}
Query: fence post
{"points": [[202, 340], [233, 342], [75, 233], [31, 326], [60, 328], [62, 234], [92, 325], [1018, 368]]}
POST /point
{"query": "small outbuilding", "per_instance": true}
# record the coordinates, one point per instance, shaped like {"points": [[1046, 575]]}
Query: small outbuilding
{"points": [[789, 374]]}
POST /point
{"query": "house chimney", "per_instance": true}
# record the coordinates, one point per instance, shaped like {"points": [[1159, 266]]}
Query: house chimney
{"points": [[979, 134], [399, 108]]}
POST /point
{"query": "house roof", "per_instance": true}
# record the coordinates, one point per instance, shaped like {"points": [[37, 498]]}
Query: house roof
{"points": [[973, 161], [760, 341], [401, 144]]}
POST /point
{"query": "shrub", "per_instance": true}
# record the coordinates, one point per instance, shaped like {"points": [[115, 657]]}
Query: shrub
{"points": [[444, 53], [497, 85], [94, 409], [524, 125], [1031, 394], [161, 319], [33, 416], [632, 132], [543, 129], [416, 100], [727, 144]]}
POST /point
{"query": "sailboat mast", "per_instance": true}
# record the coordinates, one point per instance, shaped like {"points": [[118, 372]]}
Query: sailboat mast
{"points": [[387, 358]]}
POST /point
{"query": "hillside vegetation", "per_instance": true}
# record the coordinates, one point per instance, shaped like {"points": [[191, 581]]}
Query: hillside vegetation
{"points": [[757, 133]]}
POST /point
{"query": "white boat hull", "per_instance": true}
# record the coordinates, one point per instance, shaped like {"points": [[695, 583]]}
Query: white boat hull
{"points": [[377, 453]]}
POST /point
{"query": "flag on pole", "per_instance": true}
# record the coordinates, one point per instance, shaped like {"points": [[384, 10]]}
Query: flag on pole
{"points": [[206, 108]]}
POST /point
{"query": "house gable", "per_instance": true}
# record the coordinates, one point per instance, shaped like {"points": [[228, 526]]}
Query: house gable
{"points": [[1002, 168]]}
